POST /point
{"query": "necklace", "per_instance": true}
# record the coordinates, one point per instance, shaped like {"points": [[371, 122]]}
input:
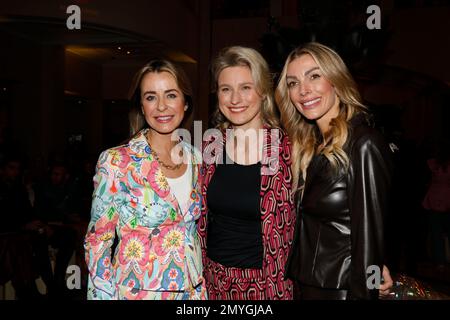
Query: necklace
{"points": [[167, 166]]}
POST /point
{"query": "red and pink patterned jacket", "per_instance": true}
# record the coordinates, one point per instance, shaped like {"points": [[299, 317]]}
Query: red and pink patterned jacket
{"points": [[277, 213]]}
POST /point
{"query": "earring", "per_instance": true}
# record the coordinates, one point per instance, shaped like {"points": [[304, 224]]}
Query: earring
{"points": [[185, 107]]}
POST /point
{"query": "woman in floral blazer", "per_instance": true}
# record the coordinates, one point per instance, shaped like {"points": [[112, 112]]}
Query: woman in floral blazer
{"points": [[140, 196]]}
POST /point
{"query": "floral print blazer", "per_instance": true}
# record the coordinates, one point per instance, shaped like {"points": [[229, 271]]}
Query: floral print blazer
{"points": [[158, 247]]}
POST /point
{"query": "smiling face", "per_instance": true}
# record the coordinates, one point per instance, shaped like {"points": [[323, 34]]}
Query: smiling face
{"points": [[311, 93], [238, 98], [162, 102]]}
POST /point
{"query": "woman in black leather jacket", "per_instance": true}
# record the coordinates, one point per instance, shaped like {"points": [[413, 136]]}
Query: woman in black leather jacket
{"points": [[344, 173]]}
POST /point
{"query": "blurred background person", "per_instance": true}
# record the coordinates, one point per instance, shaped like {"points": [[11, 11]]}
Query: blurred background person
{"points": [[437, 203], [17, 226]]}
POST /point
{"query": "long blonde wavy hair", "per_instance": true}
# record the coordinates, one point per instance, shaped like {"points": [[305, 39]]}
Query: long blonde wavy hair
{"points": [[248, 57], [304, 135]]}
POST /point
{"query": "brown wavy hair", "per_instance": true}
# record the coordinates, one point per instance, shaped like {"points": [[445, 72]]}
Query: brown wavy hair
{"points": [[136, 118]]}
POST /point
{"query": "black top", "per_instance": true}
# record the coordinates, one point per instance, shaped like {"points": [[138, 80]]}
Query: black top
{"points": [[339, 233], [234, 218]]}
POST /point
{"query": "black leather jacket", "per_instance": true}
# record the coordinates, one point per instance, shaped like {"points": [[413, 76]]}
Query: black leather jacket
{"points": [[339, 233]]}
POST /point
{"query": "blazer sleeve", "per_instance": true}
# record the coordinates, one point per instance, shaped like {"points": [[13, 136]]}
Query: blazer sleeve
{"points": [[101, 233], [202, 222], [206, 171], [370, 179]]}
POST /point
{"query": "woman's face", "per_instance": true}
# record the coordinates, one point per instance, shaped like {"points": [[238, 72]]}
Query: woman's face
{"points": [[162, 102], [238, 99], [311, 93]]}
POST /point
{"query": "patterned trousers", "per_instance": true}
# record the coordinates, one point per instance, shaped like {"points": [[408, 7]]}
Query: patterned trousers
{"points": [[229, 283]]}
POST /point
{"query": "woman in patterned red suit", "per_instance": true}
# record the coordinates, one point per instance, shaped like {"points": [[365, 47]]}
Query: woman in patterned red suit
{"points": [[248, 215]]}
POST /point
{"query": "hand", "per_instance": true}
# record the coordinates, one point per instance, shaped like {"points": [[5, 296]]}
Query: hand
{"points": [[387, 283]]}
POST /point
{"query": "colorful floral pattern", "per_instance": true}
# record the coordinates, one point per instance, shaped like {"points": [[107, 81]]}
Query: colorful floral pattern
{"points": [[135, 248], [157, 180], [158, 248]]}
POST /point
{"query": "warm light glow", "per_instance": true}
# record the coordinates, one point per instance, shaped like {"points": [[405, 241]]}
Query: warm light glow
{"points": [[90, 53], [71, 93], [180, 57], [102, 53]]}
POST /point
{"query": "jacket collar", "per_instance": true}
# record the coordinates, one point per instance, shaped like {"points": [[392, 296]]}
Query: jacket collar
{"points": [[360, 119], [139, 145]]}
